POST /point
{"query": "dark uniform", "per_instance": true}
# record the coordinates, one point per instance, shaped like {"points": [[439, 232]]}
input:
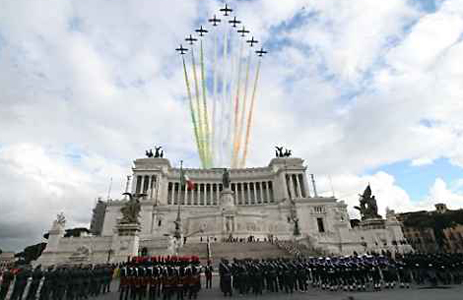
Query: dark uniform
{"points": [[20, 284], [225, 278], [208, 274], [7, 280]]}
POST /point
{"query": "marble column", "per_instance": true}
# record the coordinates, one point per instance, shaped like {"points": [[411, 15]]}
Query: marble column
{"points": [[267, 192], [291, 186], [298, 185], [254, 195], [134, 184], [201, 194], [142, 183], [247, 194]]}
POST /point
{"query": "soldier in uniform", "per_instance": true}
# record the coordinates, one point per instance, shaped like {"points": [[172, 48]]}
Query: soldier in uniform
{"points": [[152, 282], [20, 284], [124, 288], [404, 275], [168, 281], [208, 274], [225, 278], [37, 275], [69, 287], [194, 283], [5, 284], [46, 290]]}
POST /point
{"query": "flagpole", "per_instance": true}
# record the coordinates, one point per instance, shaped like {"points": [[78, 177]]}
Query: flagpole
{"points": [[178, 221]]}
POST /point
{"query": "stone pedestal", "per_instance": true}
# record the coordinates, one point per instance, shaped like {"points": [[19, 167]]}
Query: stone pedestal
{"points": [[376, 223], [228, 209], [227, 200], [126, 242]]}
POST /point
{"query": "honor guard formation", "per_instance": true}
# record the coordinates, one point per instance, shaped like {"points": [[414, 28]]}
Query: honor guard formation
{"points": [[349, 273], [56, 283], [171, 277], [179, 277]]}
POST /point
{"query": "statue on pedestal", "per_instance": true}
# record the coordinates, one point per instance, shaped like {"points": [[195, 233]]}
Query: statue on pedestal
{"points": [[131, 210], [368, 207], [226, 179], [159, 153], [279, 152], [59, 223], [60, 219], [149, 153]]}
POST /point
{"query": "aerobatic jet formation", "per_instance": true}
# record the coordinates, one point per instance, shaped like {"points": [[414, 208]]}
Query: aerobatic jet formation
{"points": [[221, 80]]}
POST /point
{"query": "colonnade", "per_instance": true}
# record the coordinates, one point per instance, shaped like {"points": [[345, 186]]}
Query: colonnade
{"points": [[143, 183], [246, 193], [295, 186]]}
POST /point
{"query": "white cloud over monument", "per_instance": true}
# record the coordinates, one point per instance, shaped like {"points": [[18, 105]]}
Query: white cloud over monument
{"points": [[348, 88]]}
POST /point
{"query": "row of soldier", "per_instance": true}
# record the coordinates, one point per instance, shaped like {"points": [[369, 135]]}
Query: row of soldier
{"points": [[165, 278], [352, 273], [56, 283]]}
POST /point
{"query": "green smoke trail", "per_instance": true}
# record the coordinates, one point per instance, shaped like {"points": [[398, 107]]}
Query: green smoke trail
{"points": [[251, 110], [207, 136], [224, 94], [193, 118], [243, 108], [237, 106], [214, 95], [199, 115]]}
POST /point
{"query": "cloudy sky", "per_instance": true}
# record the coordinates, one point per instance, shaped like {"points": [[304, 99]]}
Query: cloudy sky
{"points": [[364, 91]]}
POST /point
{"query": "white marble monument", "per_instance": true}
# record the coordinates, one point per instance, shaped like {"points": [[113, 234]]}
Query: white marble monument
{"points": [[260, 202]]}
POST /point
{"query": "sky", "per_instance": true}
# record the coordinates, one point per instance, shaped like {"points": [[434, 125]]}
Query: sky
{"points": [[364, 91]]}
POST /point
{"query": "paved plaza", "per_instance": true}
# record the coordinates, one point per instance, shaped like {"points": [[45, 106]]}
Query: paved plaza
{"points": [[451, 292]]}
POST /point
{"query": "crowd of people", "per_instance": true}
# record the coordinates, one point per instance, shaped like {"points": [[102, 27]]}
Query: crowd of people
{"points": [[179, 277], [349, 273], [56, 283]]}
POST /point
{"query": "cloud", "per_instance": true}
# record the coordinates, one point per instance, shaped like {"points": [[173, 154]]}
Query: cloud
{"points": [[349, 87], [388, 193]]}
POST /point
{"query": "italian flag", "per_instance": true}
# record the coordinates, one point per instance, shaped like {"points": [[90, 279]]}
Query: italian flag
{"points": [[185, 180]]}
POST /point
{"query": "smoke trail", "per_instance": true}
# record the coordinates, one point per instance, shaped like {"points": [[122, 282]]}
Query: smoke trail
{"points": [[237, 107], [193, 118], [251, 110], [243, 108], [224, 94], [229, 119], [214, 95], [198, 108], [205, 120]]}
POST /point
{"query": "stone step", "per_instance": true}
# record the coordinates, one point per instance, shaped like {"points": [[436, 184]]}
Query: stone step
{"points": [[246, 250], [198, 249]]}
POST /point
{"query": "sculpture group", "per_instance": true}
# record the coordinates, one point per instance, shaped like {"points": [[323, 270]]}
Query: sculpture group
{"points": [[159, 153], [368, 207], [279, 152], [131, 210]]}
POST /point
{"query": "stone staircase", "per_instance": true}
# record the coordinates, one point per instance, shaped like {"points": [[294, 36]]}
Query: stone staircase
{"points": [[198, 249], [246, 250], [301, 248]]}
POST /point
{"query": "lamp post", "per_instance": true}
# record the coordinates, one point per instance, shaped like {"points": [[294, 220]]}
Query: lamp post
{"points": [[110, 251]]}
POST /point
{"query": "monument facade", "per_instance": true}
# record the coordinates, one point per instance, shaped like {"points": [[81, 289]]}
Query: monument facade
{"points": [[275, 201]]}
